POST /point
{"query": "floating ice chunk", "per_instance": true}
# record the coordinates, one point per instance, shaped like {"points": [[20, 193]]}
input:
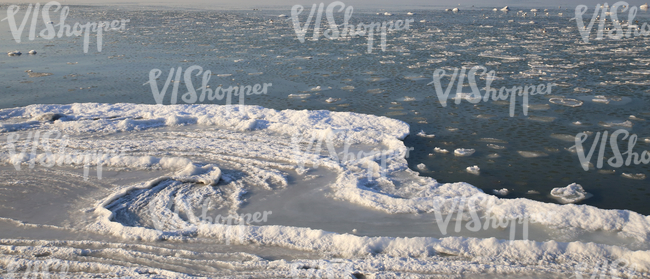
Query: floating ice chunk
{"points": [[474, 170], [421, 166], [567, 102], [532, 192], [570, 194], [505, 9], [440, 150], [636, 118], [532, 154], [501, 192], [408, 99], [32, 52], [564, 137], [542, 118], [14, 53], [581, 90], [493, 155], [495, 146], [462, 152], [638, 176], [300, 96], [348, 87], [625, 124], [492, 140], [410, 13], [319, 88], [332, 100], [423, 134], [283, 15], [539, 107], [468, 96]]}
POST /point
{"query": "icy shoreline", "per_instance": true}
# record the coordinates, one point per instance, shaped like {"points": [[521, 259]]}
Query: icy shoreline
{"points": [[402, 191]]}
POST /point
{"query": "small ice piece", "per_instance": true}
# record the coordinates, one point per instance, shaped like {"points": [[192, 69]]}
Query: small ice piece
{"points": [[319, 88], [601, 99], [577, 123], [422, 166], [469, 97], [570, 194], [636, 118], [423, 134], [532, 192], [581, 90], [532, 154], [440, 150], [501, 192], [14, 53], [474, 170], [495, 146], [283, 15], [610, 124], [409, 99], [638, 176], [567, 102], [493, 155], [564, 137], [354, 231], [332, 100], [300, 96], [462, 152], [32, 52]]}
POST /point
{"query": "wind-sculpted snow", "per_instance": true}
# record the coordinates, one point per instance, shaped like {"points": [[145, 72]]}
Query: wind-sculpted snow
{"points": [[223, 156]]}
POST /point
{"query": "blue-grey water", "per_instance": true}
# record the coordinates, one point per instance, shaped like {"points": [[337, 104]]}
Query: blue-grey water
{"points": [[256, 46]]}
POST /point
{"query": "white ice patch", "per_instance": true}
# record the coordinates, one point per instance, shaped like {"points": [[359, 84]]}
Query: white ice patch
{"points": [[570, 194], [463, 152], [474, 170]]}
